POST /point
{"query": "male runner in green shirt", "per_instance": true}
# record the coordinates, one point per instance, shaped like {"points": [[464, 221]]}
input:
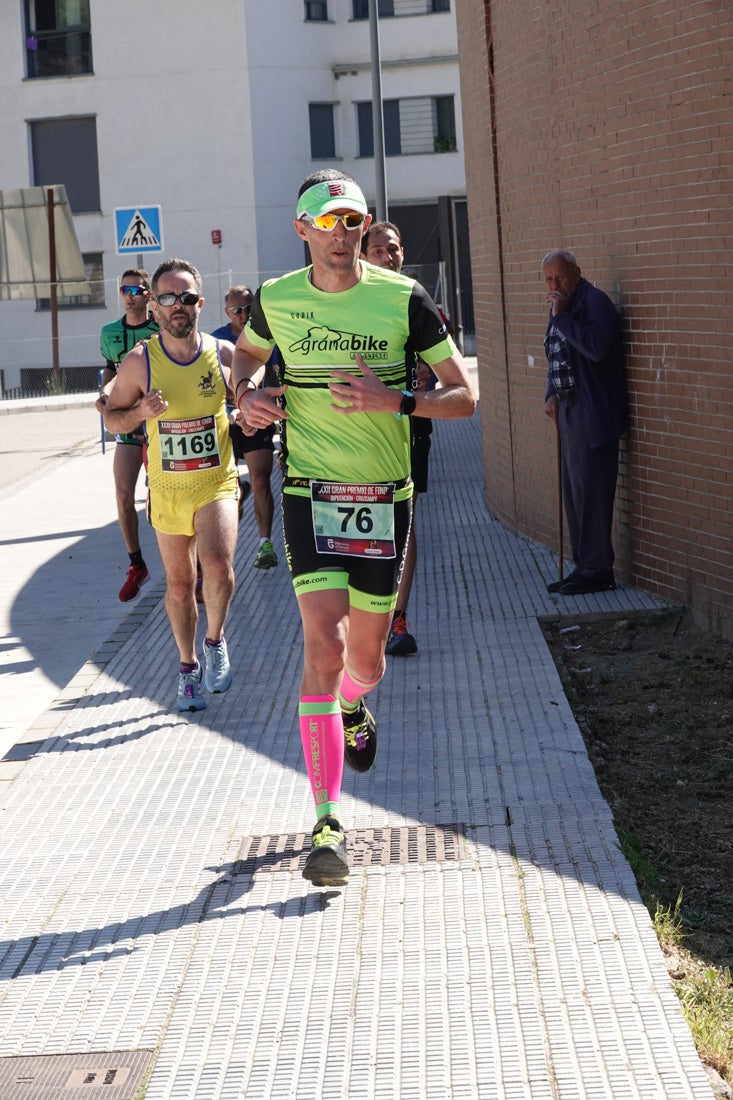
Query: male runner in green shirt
{"points": [[346, 332], [116, 339]]}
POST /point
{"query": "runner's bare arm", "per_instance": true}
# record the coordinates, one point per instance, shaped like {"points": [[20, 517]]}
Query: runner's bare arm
{"points": [[248, 363], [129, 403], [256, 408], [226, 352], [108, 377], [453, 397]]}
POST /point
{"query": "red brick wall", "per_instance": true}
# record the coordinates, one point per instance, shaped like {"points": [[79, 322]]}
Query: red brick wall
{"points": [[609, 128]]}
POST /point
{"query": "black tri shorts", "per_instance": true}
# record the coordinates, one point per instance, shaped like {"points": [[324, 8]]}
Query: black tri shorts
{"points": [[372, 582]]}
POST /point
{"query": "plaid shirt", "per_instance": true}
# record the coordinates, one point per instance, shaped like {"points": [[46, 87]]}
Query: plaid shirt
{"points": [[559, 371]]}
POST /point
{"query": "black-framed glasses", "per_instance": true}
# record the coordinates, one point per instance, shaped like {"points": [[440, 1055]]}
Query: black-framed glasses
{"points": [[134, 291], [237, 309], [188, 298], [328, 222]]}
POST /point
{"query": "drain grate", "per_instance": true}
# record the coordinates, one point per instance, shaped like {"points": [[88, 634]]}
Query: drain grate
{"points": [[419, 844], [385, 847], [113, 1075]]}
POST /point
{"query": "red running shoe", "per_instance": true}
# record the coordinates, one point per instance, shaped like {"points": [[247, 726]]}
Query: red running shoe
{"points": [[137, 575]]}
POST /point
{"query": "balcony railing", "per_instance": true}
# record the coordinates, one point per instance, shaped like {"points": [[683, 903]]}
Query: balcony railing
{"points": [[59, 53]]}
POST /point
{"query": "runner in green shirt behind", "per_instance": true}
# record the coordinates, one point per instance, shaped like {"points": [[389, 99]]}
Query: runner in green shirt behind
{"points": [[116, 339]]}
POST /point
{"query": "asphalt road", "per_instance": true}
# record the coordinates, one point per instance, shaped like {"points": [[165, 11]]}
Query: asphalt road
{"points": [[34, 437], [62, 558]]}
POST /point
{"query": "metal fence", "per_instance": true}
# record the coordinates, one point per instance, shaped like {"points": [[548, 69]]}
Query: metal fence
{"points": [[43, 382], [81, 321]]}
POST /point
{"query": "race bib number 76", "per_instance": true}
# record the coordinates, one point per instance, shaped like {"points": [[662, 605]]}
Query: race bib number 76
{"points": [[353, 519]]}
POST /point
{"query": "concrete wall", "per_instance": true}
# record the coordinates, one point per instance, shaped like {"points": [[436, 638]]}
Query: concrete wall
{"points": [[607, 130]]}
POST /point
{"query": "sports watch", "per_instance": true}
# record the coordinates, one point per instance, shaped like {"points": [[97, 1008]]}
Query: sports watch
{"points": [[408, 402]]}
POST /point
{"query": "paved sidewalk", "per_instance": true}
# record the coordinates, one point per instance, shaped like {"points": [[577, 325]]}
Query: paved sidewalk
{"points": [[157, 934]]}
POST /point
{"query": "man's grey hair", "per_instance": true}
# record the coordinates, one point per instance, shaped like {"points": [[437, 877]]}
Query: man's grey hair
{"points": [[558, 254], [243, 290]]}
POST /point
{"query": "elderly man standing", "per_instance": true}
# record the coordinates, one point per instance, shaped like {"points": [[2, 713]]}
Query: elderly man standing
{"points": [[586, 399], [344, 329]]}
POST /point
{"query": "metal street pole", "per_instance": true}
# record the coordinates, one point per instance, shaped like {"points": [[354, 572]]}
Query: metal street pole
{"points": [[52, 274], [380, 172]]}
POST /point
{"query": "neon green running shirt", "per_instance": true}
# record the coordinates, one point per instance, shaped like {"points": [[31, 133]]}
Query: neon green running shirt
{"points": [[388, 319]]}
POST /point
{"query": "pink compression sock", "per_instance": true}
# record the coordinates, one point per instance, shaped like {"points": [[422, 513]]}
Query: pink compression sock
{"points": [[322, 737], [353, 689]]}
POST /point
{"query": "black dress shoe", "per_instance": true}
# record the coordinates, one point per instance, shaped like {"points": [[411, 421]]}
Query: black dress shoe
{"points": [[555, 586], [579, 585]]}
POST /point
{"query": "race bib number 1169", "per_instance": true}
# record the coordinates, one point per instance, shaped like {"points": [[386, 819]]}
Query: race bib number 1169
{"points": [[187, 445]]}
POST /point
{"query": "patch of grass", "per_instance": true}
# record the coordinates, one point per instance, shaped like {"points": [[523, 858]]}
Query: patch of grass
{"points": [[705, 992], [644, 870], [651, 695], [667, 924]]}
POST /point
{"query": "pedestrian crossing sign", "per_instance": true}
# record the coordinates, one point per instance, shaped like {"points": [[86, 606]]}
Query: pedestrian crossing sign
{"points": [[138, 229]]}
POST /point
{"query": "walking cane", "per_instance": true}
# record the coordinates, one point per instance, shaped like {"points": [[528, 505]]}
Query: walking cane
{"points": [[559, 507]]}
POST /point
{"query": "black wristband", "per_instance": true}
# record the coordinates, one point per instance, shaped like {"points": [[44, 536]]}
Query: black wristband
{"points": [[239, 383]]}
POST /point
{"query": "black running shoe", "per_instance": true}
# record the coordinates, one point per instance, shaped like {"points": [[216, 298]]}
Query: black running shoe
{"points": [[326, 863], [244, 490], [360, 738], [400, 642]]}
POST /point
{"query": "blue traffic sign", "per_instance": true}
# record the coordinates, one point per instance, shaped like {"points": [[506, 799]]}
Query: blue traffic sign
{"points": [[138, 229]]}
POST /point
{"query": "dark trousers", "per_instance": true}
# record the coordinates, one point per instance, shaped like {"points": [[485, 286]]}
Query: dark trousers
{"points": [[588, 489]]}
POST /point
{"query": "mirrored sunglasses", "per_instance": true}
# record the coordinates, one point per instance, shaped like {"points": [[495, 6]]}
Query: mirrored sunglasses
{"points": [[237, 309], [327, 222], [188, 298], [135, 291]]}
